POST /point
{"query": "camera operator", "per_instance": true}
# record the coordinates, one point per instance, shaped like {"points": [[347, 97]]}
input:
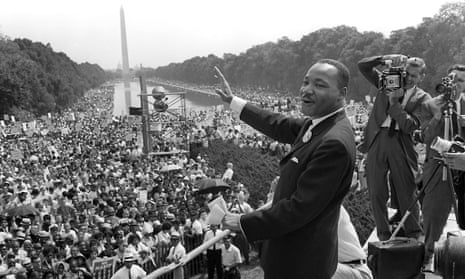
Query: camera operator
{"points": [[397, 112], [438, 197]]}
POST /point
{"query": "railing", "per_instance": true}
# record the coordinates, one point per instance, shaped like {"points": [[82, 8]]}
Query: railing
{"points": [[194, 267], [177, 269]]}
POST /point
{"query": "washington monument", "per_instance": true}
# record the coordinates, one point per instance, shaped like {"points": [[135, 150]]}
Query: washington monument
{"points": [[124, 48]]}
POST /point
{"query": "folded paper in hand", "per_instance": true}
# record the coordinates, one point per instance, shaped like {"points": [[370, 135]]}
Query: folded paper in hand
{"points": [[220, 202], [216, 215], [218, 210]]}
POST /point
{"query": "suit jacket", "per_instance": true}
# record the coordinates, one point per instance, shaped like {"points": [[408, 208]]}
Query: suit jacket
{"points": [[409, 118], [300, 229], [435, 128]]}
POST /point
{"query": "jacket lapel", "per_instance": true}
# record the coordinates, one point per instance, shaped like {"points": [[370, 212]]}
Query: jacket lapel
{"points": [[379, 108], [299, 142], [317, 130], [327, 123], [412, 100]]}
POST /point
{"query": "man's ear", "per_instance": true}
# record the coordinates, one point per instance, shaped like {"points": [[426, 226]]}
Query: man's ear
{"points": [[422, 76]]}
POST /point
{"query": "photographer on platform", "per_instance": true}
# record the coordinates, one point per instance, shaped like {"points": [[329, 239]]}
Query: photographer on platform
{"points": [[438, 196], [388, 142]]}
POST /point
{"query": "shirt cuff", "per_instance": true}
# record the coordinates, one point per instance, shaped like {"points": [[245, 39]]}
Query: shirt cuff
{"points": [[237, 104]]}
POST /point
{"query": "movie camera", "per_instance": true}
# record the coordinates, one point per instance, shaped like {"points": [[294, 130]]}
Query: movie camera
{"points": [[447, 87], [442, 145], [392, 77]]}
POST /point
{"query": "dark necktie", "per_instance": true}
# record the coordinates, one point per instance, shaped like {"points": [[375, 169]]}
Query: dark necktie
{"points": [[129, 273], [392, 127], [214, 246], [307, 133]]}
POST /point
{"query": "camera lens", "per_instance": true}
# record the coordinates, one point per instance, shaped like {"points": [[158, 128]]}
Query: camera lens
{"points": [[449, 255], [440, 88]]}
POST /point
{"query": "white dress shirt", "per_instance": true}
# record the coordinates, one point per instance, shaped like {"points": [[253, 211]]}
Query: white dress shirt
{"points": [[459, 105], [230, 256], [136, 272], [315, 121], [209, 235]]}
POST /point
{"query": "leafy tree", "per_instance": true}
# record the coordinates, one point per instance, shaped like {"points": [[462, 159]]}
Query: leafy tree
{"points": [[37, 79], [279, 66]]}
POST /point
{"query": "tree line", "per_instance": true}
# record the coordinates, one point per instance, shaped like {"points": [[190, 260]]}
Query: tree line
{"points": [[280, 66], [36, 79]]}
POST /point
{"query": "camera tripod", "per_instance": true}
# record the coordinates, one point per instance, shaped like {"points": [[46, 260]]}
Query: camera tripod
{"points": [[446, 171]]}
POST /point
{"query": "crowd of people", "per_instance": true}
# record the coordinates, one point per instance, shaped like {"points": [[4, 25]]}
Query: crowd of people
{"points": [[75, 188]]}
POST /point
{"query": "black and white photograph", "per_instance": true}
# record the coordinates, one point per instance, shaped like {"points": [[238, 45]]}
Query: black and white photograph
{"points": [[219, 139]]}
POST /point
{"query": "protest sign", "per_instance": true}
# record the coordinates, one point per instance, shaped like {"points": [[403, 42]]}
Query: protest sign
{"points": [[103, 268], [143, 196]]}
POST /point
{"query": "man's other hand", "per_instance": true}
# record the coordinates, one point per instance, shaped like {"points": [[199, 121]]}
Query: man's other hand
{"points": [[394, 95], [231, 221], [226, 93], [397, 59]]}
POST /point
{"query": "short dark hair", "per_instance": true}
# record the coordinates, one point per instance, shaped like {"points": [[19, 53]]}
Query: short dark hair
{"points": [[343, 71], [458, 67]]}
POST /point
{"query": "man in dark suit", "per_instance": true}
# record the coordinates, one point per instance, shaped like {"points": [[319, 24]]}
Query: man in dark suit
{"points": [[300, 228], [438, 197], [388, 141]]}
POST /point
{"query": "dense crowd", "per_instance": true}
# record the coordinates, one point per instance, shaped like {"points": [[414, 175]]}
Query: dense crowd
{"points": [[76, 187]]}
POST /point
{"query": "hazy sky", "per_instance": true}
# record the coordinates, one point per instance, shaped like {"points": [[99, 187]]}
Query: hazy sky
{"points": [[160, 32]]}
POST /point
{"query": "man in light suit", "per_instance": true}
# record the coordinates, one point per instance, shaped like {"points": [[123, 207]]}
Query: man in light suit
{"points": [[388, 141], [300, 228]]}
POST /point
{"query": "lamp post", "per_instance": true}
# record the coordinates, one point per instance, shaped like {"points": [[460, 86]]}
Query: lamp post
{"points": [[145, 117]]}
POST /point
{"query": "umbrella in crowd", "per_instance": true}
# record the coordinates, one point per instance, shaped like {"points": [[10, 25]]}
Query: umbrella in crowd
{"points": [[211, 185], [22, 210]]}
